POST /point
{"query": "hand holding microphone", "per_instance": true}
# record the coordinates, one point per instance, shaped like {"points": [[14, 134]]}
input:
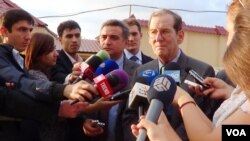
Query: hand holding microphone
{"points": [[89, 66], [160, 131], [106, 86], [160, 94]]}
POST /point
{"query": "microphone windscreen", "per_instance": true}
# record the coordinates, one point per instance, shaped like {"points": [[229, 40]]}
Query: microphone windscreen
{"points": [[103, 55], [149, 74], [118, 79], [106, 67], [94, 61], [163, 88]]}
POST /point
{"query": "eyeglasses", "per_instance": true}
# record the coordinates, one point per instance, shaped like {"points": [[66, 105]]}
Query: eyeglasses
{"points": [[241, 3]]}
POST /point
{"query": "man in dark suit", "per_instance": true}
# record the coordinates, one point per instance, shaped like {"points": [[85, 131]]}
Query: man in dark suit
{"points": [[69, 33], [132, 50], [113, 39], [165, 36]]}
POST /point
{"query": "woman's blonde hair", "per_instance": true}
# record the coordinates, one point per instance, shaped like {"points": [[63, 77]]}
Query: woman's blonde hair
{"points": [[237, 57]]}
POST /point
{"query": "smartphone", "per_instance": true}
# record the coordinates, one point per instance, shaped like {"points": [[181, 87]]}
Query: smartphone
{"points": [[198, 78], [97, 124], [191, 83]]}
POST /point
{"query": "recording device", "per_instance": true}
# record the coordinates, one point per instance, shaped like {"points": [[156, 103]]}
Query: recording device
{"points": [[160, 95], [172, 69], [106, 67], [192, 84], [197, 77], [138, 95], [97, 124], [109, 84], [89, 66], [148, 75]]}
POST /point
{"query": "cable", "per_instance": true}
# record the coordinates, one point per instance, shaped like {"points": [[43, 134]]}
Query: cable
{"points": [[144, 6]]}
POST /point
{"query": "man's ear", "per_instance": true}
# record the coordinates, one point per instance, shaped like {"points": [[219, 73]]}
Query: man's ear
{"points": [[60, 39], [3, 31], [180, 36]]}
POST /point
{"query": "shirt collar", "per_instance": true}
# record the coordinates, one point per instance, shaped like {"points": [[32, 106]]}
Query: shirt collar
{"points": [[120, 62], [73, 60], [18, 57], [129, 55], [174, 60]]}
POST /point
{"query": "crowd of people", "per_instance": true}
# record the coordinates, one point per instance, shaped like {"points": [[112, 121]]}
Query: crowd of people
{"points": [[41, 100]]}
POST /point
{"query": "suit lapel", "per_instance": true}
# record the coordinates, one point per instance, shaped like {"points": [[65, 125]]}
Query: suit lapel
{"points": [[183, 61], [66, 61]]}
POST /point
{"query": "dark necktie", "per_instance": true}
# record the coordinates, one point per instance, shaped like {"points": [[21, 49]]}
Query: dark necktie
{"points": [[133, 58], [162, 69]]}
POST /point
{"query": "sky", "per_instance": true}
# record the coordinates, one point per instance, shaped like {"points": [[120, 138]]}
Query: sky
{"points": [[91, 21]]}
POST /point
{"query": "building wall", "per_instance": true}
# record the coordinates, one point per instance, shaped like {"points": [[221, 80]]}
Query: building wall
{"points": [[202, 46]]}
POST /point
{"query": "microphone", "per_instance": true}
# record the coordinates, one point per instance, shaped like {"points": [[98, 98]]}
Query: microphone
{"points": [[148, 75], [160, 94], [106, 67], [173, 69], [89, 66], [138, 95], [109, 84]]}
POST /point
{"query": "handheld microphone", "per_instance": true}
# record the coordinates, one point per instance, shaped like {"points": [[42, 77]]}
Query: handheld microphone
{"points": [[89, 66], [138, 95], [148, 75], [109, 84], [173, 69], [197, 77], [106, 67], [160, 94]]}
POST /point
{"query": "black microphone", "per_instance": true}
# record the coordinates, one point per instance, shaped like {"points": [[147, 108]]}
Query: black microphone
{"points": [[160, 94]]}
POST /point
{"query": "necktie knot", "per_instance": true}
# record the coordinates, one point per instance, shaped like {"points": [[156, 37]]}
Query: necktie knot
{"points": [[133, 58]]}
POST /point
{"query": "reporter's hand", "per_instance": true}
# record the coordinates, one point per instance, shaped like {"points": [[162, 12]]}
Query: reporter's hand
{"points": [[66, 110], [81, 91], [90, 130], [162, 131], [218, 90], [76, 72], [100, 104]]}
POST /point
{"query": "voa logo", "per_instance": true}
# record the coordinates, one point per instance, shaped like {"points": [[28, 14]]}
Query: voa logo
{"points": [[236, 132], [162, 84]]}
